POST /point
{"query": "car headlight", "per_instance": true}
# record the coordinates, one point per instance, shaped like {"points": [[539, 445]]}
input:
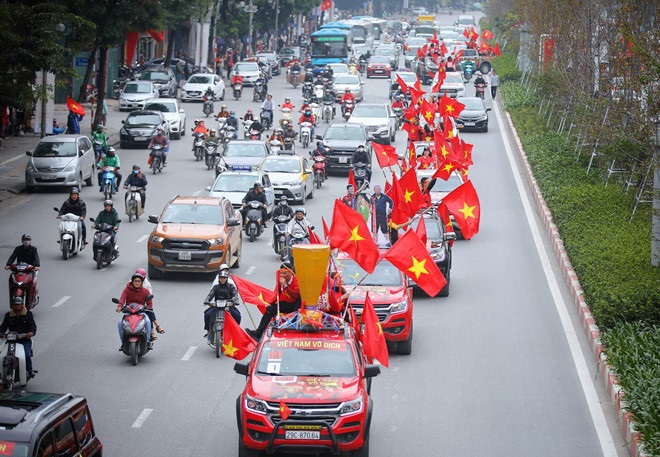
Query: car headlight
{"points": [[216, 241], [157, 239], [351, 407], [399, 307], [30, 168], [69, 168], [254, 405], [174, 122], [438, 255], [123, 131], [483, 118]]}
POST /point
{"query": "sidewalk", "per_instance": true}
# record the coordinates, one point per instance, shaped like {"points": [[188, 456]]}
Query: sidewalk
{"points": [[12, 151]]}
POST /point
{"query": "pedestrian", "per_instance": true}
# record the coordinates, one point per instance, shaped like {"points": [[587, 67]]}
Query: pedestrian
{"points": [[104, 112], [494, 82], [178, 72], [73, 123]]}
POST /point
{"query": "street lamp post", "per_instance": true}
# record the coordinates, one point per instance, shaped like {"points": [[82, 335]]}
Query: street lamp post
{"points": [[251, 9]]}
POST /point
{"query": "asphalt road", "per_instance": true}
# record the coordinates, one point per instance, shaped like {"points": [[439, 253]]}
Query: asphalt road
{"points": [[491, 373]]}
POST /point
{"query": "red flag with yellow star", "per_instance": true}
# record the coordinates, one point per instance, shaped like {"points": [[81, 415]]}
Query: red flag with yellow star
{"points": [[421, 230], [386, 155], [372, 337], [487, 34], [496, 50], [436, 89], [410, 113], [463, 203], [427, 110], [400, 210], [450, 106], [412, 154], [446, 169], [402, 84], [411, 257], [235, 342], [411, 192], [253, 293], [415, 94], [351, 180], [326, 5], [443, 149], [349, 232], [443, 212], [285, 411]]}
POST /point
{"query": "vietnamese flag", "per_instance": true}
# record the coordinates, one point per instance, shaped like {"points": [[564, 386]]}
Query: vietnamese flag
{"points": [[349, 233], [413, 259], [443, 149], [421, 230], [386, 155], [75, 106], [473, 34], [254, 293], [285, 411], [415, 94], [466, 34], [420, 53], [463, 203], [355, 323], [326, 231], [446, 169], [487, 34], [412, 154], [438, 86], [374, 345], [410, 113], [326, 5], [351, 180], [400, 210], [402, 84], [443, 212], [411, 192], [427, 111], [313, 237], [466, 160], [235, 342], [443, 49], [450, 106], [496, 50], [484, 48]]}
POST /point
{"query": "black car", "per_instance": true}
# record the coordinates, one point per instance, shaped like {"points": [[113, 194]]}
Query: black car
{"points": [[140, 126], [341, 140], [164, 80], [474, 115], [41, 424], [425, 68], [439, 246]]}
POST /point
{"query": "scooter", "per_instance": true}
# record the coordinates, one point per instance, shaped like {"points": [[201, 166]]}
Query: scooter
{"points": [[70, 234], [134, 331], [319, 170], [253, 227], [211, 155], [288, 144], [217, 325], [480, 90], [286, 117], [266, 118], [246, 128], [316, 110], [328, 110], [231, 133], [279, 232], [319, 89], [295, 80], [307, 89], [108, 182], [14, 365], [254, 133], [207, 108], [238, 89], [275, 146], [23, 284], [348, 109], [467, 72], [305, 133], [399, 117], [133, 203], [259, 94], [198, 145], [359, 174], [156, 158], [104, 251], [222, 127]]}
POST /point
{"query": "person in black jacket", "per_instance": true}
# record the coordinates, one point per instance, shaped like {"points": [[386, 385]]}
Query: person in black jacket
{"points": [[223, 290], [74, 205], [25, 253], [20, 320], [256, 193], [362, 155], [137, 179]]}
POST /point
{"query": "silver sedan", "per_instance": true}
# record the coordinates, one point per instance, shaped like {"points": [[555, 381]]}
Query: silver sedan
{"points": [[348, 81]]}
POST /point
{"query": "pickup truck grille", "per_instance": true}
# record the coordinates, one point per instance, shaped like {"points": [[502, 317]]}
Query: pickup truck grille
{"points": [[186, 245]]}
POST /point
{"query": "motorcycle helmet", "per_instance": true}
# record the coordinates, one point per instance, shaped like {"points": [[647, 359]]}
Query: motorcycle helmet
{"points": [[140, 271], [109, 203], [301, 210], [212, 132], [277, 131], [249, 110], [258, 184], [287, 100], [223, 274], [17, 301], [223, 107], [99, 127], [137, 276], [111, 151], [26, 237], [400, 97], [224, 266], [347, 90], [74, 190], [284, 200], [160, 130]]}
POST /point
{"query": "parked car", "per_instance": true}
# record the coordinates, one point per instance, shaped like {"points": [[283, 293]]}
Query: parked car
{"points": [[164, 81], [137, 94], [273, 61], [291, 176], [379, 66], [60, 160], [379, 120], [341, 139], [194, 234], [348, 81], [234, 184], [196, 86], [249, 70], [140, 126], [474, 115], [174, 114]]}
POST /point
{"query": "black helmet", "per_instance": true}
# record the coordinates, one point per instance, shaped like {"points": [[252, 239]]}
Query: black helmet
{"points": [[17, 301], [26, 237], [258, 184], [283, 200], [136, 167]]}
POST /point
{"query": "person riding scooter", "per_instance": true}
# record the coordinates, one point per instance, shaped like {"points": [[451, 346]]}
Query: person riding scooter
{"points": [[256, 194], [139, 180], [223, 111], [159, 139], [299, 224], [362, 155], [282, 209], [99, 135], [289, 132], [111, 159], [348, 96], [20, 320], [307, 116], [74, 205], [223, 290], [108, 215], [25, 253], [233, 122], [136, 292]]}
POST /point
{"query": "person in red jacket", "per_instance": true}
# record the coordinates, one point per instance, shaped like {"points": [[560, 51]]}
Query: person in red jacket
{"points": [[287, 295], [135, 292], [346, 97], [426, 160]]}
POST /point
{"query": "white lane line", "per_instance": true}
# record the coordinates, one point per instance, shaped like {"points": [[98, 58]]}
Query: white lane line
{"points": [[61, 301], [142, 238], [191, 350], [591, 397], [249, 270], [195, 194], [142, 418], [11, 160]]}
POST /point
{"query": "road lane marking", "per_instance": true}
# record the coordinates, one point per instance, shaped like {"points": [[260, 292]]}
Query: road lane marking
{"points": [[142, 238], [590, 394], [61, 301], [191, 350], [195, 194], [11, 160], [249, 270], [142, 418]]}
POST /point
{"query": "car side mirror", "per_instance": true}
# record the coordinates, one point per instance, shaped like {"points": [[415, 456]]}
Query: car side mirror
{"points": [[242, 368], [449, 236], [370, 371], [123, 121], [28, 153], [207, 188], [182, 111], [153, 219], [233, 222]]}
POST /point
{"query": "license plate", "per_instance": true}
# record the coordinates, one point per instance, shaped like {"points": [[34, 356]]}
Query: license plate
{"points": [[185, 255], [140, 138], [343, 160], [302, 435], [49, 177], [469, 124]]}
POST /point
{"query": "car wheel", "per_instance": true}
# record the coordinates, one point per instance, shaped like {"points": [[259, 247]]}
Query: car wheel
{"points": [[405, 347], [311, 193], [183, 129], [237, 262], [393, 137], [88, 181], [445, 290], [222, 97], [153, 272]]}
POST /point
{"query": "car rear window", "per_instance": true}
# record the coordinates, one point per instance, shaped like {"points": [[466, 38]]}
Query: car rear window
{"points": [[347, 79], [245, 150], [55, 150], [177, 213], [137, 88], [370, 111]]}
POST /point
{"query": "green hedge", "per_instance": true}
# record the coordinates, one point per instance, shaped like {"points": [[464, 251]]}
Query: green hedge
{"points": [[507, 67]]}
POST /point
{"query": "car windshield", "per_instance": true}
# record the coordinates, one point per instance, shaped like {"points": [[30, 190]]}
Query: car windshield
{"points": [[384, 52], [245, 150], [199, 79], [137, 88], [233, 183], [347, 79], [163, 107], [385, 274], [288, 51], [408, 77], [192, 214], [453, 77], [246, 66], [342, 133], [433, 229], [447, 186], [339, 68], [307, 357], [135, 120], [380, 59], [281, 165], [55, 150], [370, 111], [155, 76], [473, 105]]}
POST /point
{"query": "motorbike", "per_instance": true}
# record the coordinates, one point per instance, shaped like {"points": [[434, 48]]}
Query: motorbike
{"points": [[238, 89], [98, 149], [286, 117], [319, 170], [231, 133], [275, 146], [211, 155], [222, 127], [307, 89], [295, 79], [363, 65], [328, 110], [348, 109], [279, 232], [246, 128], [286, 254], [198, 145], [259, 94], [253, 226], [288, 144], [316, 110], [468, 70], [133, 203], [305, 133], [217, 325], [319, 89], [399, 117], [480, 90], [14, 364], [70, 234], [254, 133], [207, 108], [134, 332], [103, 249], [156, 158], [360, 174], [266, 118], [108, 182], [23, 284]]}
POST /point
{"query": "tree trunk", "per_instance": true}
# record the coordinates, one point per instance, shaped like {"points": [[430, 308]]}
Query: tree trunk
{"points": [[88, 74], [212, 34], [170, 46], [101, 83]]}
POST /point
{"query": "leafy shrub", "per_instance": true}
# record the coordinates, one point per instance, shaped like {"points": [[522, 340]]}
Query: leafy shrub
{"points": [[506, 66]]}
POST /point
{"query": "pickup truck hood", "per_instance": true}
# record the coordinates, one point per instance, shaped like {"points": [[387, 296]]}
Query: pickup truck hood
{"points": [[303, 389], [197, 231], [377, 294]]}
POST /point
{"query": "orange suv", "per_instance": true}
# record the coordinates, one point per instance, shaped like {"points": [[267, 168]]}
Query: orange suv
{"points": [[196, 234]]}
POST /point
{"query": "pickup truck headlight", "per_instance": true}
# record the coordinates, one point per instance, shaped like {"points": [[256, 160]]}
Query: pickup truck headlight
{"points": [[157, 239], [399, 307], [256, 406], [216, 241], [352, 407]]}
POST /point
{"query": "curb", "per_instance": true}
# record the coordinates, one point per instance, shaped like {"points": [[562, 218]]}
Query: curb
{"points": [[632, 437]]}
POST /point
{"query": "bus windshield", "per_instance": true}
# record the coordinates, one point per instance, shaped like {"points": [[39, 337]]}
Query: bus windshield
{"points": [[329, 49]]}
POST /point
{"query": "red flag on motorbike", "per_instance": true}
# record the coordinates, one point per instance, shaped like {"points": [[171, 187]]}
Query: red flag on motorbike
{"points": [[351, 180]]}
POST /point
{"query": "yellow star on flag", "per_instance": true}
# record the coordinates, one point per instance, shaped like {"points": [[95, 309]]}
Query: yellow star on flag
{"points": [[444, 151], [428, 115], [408, 194], [448, 168], [418, 268], [380, 328], [468, 210], [229, 349], [355, 236], [261, 297], [449, 109]]}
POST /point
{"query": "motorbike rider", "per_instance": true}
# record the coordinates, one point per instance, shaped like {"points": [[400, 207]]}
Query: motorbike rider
{"points": [[20, 320], [200, 127], [223, 111], [398, 102], [362, 155], [287, 104], [307, 116], [99, 135], [111, 159], [223, 290], [299, 223], [346, 97], [209, 94], [450, 64], [329, 97], [283, 208], [256, 193], [233, 122], [267, 107], [211, 138], [74, 205], [249, 116], [256, 127], [479, 79], [136, 292], [309, 75], [236, 79], [289, 132], [25, 253], [264, 84], [320, 150], [139, 180], [328, 73], [294, 65], [160, 139], [276, 135], [108, 215]]}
